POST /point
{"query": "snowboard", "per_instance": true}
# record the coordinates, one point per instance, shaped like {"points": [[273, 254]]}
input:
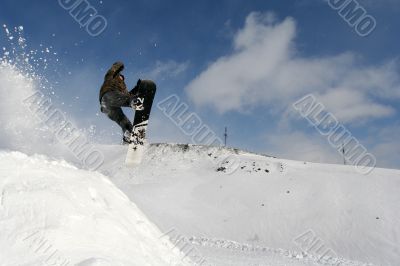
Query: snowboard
{"points": [[145, 92]]}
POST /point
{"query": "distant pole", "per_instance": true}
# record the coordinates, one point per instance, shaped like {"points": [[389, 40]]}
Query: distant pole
{"points": [[226, 135], [344, 154]]}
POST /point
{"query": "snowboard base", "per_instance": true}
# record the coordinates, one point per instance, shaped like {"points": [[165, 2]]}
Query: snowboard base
{"points": [[134, 155], [138, 145]]}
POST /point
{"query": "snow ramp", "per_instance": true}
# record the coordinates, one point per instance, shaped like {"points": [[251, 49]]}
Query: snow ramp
{"points": [[52, 213]]}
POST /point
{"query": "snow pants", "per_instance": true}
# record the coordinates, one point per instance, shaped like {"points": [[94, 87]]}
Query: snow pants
{"points": [[111, 104]]}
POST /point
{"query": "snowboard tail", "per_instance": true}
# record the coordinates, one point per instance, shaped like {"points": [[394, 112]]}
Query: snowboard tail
{"points": [[145, 92]]}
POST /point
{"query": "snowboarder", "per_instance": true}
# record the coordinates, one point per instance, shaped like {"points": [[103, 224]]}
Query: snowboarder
{"points": [[114, 95]]}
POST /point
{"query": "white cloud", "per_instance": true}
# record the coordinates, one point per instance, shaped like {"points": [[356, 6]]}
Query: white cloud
{"points": [[266, 69], [297, 145], [351, 105], [163, 130], [387, 154], [164, 70], [387, 150]]}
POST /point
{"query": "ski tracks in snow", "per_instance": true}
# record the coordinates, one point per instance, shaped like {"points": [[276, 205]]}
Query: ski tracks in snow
{"points": [[226, 252]]}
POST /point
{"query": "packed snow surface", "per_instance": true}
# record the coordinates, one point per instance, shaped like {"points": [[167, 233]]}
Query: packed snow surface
{"points": [[213, 206], [52, 213], [267, 206]]}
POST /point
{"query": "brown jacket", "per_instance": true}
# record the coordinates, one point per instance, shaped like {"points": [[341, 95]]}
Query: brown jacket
{"points": [[112, 80]]}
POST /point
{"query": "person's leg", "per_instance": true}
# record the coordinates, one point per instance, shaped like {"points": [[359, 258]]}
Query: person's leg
{"points": [[120, 118], [111, 104], [115, 99]]}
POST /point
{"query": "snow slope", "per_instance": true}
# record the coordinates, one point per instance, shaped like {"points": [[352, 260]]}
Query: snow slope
{"points": [[52, 213], [265, 205]]}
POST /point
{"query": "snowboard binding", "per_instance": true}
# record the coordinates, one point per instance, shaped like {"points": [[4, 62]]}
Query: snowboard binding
{"points": [[126, 138], [137, 104]]}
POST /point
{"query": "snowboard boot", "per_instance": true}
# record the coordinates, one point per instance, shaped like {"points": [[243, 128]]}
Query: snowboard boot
{"points": [[127, 137]]}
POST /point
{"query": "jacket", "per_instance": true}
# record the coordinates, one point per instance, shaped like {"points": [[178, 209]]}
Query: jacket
{"points": [[112, 80]]}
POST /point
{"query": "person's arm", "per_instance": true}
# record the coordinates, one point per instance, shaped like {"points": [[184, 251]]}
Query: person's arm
{"points": [[116, 68]]}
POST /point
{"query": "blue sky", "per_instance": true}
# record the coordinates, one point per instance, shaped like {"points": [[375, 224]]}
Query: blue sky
{"points": [[207, 50]]}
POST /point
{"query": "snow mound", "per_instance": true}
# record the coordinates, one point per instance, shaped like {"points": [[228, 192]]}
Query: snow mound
{"points": [[52, 213], [269, 202]]}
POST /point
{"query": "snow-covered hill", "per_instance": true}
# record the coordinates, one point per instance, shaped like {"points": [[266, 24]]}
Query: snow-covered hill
{"points": [[265, 204], [52, 213]]}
